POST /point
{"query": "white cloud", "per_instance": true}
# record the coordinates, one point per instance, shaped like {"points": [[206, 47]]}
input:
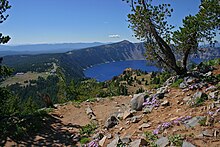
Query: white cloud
{"points": [[114, 36]]}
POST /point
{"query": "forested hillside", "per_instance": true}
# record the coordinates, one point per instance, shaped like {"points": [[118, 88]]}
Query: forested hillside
{"points": [[74, 62]]}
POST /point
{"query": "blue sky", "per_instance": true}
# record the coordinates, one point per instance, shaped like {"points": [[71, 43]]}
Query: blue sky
{"points": [[62, 21]]}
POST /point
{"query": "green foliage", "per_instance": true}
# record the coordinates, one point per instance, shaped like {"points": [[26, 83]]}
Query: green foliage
{"points": [[19, 126], [140, 90], [84, 140], [41, 85], [159, 77], [151, 138], [200, 101], [4, 7], [177, 83], [149, 23], [202, 122], [213, 62], [88, 129], [176, 140]]}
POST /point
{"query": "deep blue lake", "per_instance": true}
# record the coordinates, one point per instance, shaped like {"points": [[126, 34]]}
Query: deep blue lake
{"points": [[107, 71]]}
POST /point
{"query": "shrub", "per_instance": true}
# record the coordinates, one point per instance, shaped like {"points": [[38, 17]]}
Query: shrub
{"points": [[88, 129], [176, 140], [203, 121], [177, 83], [84, 140]]}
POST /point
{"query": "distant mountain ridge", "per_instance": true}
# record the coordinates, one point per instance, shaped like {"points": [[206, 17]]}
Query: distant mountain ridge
{"points": [[44, 48]]}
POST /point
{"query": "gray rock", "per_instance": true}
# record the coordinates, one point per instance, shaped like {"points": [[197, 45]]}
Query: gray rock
{"points": [[182, 85], [189, 80], [193, 121], [162, 142], [120, 115], [144, 125], [136, 119], [137, 101], [102, 141], [162, 90], [76, 137], [114, 142], [127, 114], [213, 95], [165, 103], [187, 144], [197, 95], [158, 95], [138, 143], [208, 74], [111, 122], [89, 110], [170, 81], [126, 140], [208, 133], [211, 88], [98, 136], [148, 109], [109, 136], [90, 113], [186, 99]]}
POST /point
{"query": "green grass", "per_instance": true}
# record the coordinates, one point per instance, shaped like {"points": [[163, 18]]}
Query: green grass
{"points": [[203, 121], [22, 78], [177, 83], [84, 140], [88, 129]]}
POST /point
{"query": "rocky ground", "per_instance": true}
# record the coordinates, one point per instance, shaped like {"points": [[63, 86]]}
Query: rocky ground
{"points": [[187, 115]]}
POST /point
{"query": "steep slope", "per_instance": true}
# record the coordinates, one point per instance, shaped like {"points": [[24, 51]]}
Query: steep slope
{"points": [[173, 121]]}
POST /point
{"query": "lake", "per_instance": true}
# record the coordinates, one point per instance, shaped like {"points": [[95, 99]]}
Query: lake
{"points": [[107, 71]]}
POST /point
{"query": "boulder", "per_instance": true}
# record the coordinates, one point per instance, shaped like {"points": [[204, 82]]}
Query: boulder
{"points": [[137, 101], [111, 122], [138, 143], [162, 142]]}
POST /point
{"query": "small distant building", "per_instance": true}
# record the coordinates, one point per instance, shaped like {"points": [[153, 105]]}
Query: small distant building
{"points": [[19, 73]]}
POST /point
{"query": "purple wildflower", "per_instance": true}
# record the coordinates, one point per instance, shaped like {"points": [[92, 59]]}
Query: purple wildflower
{"points": [[93, 143], [156, 131]]}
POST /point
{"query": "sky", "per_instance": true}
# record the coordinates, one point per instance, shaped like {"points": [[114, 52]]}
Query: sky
{"points": [[71, 21]]}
